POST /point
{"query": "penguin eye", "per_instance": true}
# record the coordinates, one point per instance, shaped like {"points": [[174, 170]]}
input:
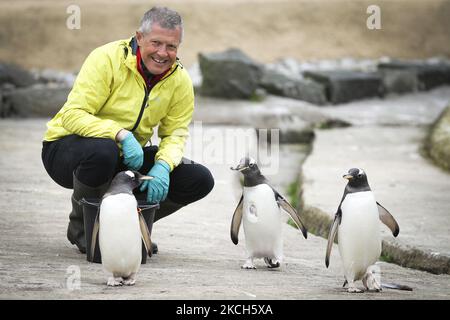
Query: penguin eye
{"points": [[251, 164], [359, 175]]}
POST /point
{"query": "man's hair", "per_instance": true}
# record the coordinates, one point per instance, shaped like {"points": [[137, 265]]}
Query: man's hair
{"points": [[165, 17]]}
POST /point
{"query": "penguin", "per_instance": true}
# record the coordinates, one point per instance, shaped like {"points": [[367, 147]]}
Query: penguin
{"points": [[259, 210], [358, 221], [120, 227]]}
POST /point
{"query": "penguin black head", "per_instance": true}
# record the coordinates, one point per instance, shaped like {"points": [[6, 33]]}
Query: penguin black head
{"points": [[249, 168], [125, 182], [357, 180]]}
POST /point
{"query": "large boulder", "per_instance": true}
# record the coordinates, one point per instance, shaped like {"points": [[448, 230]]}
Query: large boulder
{"points": [[229, 74], [277, 83], [15, 75], [439, 140], [399, 81], [36, 101], [343, 86], [429, 75]]}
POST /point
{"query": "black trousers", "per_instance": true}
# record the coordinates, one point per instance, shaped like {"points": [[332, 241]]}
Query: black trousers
{"points": [[96, 161]]}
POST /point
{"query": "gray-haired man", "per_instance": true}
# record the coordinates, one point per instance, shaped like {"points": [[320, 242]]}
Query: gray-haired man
{"points": [[123, 90]]}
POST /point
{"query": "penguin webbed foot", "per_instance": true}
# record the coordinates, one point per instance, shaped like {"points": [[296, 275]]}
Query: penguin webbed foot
{"points": [[130, 281], [353, 289], [371, 280], [114, 281], [248, 265]]}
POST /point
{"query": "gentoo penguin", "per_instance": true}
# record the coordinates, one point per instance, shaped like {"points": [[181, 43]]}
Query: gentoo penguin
{"points": [[358, 221], [259, 209], [120, 227]]}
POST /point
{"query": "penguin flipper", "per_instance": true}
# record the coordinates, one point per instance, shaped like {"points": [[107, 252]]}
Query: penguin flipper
{"points": [[94, 235], [145, 234], [332, 235], [292, 213], [236, 221], [387, 218]]}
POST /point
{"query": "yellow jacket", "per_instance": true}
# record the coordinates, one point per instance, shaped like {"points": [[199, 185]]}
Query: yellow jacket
{"points": [[109, 94]]}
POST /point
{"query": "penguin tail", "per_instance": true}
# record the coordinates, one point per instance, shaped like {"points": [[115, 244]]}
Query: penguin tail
{"points": [[395, 286]]}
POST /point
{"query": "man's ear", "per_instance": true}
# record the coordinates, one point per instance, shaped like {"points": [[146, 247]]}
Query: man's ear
{"points": [[139, 38]]}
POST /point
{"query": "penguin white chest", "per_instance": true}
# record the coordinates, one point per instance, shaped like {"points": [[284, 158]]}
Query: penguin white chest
{"points": [[261, 221], [119, 235], [359, 233]]}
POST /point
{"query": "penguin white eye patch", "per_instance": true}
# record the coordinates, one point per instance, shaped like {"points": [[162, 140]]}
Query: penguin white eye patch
{"points": [[129, 173]]}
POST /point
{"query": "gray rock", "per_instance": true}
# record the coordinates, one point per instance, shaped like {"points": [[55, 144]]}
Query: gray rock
{"points": [[302, 89], [399, 81], [429, 75], [230, 74], [54, 76], [344, 86], [39, 101], [292, 129], [11, 73]]}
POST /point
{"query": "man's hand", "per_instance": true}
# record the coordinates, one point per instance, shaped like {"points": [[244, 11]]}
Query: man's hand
{"points": [[158, 187], [133, 155]]}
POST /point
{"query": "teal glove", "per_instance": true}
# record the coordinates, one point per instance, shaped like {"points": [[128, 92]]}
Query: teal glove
{"points": [[158, 187], [133, 155]]}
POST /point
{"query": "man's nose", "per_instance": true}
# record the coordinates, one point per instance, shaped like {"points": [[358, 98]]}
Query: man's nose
{"points": [[162, 50]]}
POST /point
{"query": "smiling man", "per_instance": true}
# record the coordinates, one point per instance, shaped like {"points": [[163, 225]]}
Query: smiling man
{"points": [[123, 91]]}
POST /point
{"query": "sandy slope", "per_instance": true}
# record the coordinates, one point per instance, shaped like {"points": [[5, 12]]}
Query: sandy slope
{"points": [[34, 33]]}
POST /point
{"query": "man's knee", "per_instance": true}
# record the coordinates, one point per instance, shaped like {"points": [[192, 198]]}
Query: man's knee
{"points": [[189, 183], [206, 181], [203, 182]]}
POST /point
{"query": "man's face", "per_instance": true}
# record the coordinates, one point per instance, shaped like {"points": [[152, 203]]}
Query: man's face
{"points": [[159, 47]]}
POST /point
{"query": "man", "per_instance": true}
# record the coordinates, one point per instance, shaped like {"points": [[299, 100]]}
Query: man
{"points": [[123, 90]]}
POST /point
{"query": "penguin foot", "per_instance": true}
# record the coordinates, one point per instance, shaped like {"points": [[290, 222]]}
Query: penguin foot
{"points": [[130, 281], [371, 279], [248, 265], [354, 290], [272, 263], [114, 282]]}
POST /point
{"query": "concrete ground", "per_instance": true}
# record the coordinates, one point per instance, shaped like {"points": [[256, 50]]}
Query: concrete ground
{"points": [[197, 259]]}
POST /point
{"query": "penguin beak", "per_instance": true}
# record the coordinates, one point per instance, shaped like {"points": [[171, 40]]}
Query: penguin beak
{"points": [[239, 168], [347, 176]]}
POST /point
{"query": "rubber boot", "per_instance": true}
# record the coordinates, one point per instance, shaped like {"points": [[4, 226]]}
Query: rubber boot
{"points": [[75, 230]]}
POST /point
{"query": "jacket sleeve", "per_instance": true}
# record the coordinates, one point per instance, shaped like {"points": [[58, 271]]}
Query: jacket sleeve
{"points": [[173, 128], [87, 97]]}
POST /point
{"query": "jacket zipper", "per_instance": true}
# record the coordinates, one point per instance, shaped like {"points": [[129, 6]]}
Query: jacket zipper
{"points": [[144, 102]]}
